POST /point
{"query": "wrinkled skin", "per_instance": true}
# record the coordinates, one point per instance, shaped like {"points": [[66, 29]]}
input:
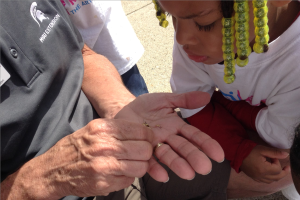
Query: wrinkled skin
{"points": [[107, 154], [182, 141]]}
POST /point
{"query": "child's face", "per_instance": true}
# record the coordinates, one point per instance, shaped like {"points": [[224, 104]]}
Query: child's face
{"points": [[198, 26]]}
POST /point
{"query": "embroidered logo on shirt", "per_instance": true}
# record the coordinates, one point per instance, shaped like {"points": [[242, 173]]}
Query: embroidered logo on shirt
{"points": [[37, 15]]}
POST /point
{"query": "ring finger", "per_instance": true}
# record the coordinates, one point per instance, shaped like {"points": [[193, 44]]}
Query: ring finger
{"points": [[178, 165]]}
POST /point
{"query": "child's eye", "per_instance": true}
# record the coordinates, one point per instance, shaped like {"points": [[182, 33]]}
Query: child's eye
{"points": [[205, 28]]}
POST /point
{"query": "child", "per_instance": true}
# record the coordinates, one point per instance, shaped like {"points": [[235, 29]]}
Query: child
{"points": [[105, 29], [263, 93]]}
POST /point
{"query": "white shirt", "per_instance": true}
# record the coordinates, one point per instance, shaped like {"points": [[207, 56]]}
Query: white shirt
{"points": [[272, 78], [105, 29]]}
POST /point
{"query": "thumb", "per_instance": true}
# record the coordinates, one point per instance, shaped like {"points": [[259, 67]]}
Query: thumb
{"points": [[274, 153], [189, 100]]}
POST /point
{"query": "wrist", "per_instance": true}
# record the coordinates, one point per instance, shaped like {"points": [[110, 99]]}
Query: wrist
{"points": [[114, 107]]}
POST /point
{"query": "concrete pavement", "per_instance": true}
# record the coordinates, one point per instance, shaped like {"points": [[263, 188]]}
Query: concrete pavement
{"points": [[156, 63]]}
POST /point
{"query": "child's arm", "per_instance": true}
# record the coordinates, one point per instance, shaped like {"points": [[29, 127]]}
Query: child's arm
{"points": [[242, 153], [262, 163], [218, 123], [274, 122], [241, 110]]}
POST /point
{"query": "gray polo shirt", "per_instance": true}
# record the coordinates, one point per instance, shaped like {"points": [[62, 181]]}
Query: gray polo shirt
{"points": [[42, 100]]}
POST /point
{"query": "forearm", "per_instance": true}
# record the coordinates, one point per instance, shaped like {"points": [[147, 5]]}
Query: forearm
{"points": [[103, 85], [219, 124], [32, 182]]}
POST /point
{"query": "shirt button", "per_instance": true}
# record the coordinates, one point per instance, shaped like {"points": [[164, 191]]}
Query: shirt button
{"points": [[14, 53]]}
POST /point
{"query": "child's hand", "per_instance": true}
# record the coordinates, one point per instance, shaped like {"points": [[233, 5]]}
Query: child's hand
{"points": [[263, 165]]}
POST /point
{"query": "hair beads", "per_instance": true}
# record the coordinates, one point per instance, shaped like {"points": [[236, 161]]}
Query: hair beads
{"points": [[228, 49], [241, 9], [260, 11], [241, 20], [161, 16]]}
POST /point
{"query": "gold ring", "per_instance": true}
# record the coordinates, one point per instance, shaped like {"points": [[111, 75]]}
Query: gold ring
{"points": [[158, 145]]}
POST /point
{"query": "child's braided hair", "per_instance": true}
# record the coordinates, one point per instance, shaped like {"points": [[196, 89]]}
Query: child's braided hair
{"points": [[227, 8], [239, 23]]}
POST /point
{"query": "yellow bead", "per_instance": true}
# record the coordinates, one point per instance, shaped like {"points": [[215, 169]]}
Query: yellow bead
{"points": [[242, 63], [261, 31], [241, 7], [164, 23], [243, 36], [242, 45], [227, 57], [229, 79], [228, 71], [228, 40], [259, 3], [245, 52], [227, 49], [258, 48], [260, 12], [227, 22], [262, 40], [241, 27], [163, 15], [229, 63], [227, 32], [260, 22], [241, 17]]}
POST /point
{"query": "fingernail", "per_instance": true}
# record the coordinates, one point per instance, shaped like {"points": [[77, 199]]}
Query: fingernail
{"points": [[192, 178], [222, 161], [207, 173], [167, 180]]}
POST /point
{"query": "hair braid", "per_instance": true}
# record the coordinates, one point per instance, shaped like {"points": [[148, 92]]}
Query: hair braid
{"points": [[227, 8], [160, 14], [240, 25], [228, 40]]}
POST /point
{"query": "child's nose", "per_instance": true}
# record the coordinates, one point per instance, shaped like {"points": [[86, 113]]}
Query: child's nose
{"points": [[185, 32]]}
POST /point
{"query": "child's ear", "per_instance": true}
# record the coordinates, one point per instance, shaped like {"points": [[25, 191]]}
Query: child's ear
{"points": [[280, 3]]}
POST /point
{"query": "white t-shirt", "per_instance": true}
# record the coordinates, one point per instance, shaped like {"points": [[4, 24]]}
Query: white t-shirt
{"points": [[272, 78], [105, 29]]}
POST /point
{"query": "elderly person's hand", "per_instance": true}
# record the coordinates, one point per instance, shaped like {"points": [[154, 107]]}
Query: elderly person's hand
{"points": [[181, 142], [100, 158]]}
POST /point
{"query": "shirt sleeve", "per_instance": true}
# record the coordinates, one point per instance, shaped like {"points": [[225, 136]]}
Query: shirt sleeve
{"points": [[276, 123], [188, 76], [220, 125], [241, 110], [89, 19]]}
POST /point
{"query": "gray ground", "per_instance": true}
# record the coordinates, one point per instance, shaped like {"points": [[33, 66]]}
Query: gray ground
{"points": [[156, 63]]}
